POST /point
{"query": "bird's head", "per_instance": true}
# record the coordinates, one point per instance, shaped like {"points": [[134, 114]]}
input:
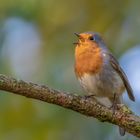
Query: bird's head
{"points": [[89, 38], [88, 53]]}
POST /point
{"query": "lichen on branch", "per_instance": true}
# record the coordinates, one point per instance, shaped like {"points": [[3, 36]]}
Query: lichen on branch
{"points": [[122, 117]]}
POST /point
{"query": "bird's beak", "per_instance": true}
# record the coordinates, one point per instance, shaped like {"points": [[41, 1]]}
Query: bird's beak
{"points": [[78, 35]]}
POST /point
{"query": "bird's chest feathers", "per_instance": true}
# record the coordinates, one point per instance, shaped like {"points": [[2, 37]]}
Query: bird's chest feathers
{"points": [[88, 61]]}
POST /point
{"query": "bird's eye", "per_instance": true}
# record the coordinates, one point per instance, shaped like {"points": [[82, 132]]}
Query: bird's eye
{"points": [[92, 38]]}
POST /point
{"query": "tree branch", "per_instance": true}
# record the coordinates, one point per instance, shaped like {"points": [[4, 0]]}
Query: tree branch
{"points": [[123, 117]]}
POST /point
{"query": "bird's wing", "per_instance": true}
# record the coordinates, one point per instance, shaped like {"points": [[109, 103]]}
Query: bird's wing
{"points": [[123, 76]]}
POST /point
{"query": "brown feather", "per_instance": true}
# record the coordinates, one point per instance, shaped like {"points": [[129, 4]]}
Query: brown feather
{"points": [[123, 76]]}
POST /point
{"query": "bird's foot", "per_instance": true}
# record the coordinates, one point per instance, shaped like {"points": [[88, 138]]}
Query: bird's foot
{"points": [[89, 96]]}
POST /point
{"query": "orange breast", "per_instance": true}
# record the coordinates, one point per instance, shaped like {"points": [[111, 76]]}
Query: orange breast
{"points": [[88, 59]]}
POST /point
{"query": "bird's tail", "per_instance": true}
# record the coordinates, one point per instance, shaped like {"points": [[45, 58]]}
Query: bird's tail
{"points": [[122, 131]]}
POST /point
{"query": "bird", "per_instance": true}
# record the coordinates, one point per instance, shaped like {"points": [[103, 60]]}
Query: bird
{"points": [[99, 72]]}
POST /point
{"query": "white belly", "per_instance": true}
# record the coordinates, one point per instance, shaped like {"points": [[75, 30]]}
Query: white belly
{"points": [[103, 88], [102, 85]]}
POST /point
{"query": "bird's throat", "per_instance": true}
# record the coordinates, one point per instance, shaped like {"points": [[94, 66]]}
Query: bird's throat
{"points": [[88, 60]]}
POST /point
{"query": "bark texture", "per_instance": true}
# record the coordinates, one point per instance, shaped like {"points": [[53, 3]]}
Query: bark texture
{"points": [[122, 117]]}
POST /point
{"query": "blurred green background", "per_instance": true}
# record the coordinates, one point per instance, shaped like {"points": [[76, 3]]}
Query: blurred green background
{"points": [[36, 39]]}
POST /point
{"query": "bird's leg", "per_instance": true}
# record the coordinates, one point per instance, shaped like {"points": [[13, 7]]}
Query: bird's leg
{"points": [[114, 103]]}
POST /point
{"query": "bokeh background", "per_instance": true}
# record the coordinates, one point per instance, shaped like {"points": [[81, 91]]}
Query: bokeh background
{"points": [[36, 39]]}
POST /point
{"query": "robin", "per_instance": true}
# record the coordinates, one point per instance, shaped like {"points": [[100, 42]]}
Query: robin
{"points": [[98, 71]]}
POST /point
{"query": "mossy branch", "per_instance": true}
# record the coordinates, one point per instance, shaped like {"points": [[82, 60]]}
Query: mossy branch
{"points": [[123, 117]]}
